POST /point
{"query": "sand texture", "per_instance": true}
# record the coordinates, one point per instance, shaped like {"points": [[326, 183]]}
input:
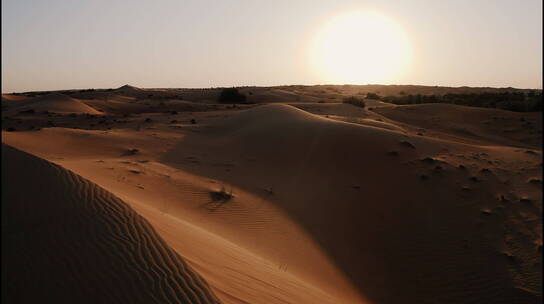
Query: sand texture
{"points": [[66, 240]]}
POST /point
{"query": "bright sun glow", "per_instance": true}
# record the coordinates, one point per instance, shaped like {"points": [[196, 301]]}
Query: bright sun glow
{"points": [[360, 47]]}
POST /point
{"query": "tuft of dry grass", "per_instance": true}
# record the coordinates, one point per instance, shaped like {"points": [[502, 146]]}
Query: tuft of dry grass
{"points": [[359, 102]]}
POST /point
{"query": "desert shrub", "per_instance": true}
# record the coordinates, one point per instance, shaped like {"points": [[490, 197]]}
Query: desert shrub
{"points": [[373, 96], [231, 95], [359, 102]]}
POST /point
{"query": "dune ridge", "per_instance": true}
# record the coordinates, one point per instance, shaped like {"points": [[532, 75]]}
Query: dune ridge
{"points": [[56, 103], [69, 241]]}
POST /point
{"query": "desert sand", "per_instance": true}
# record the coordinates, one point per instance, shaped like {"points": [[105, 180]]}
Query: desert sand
{"points": [[292, 198], [70, 241]]}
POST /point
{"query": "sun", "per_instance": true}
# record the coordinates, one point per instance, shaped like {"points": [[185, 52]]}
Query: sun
{"points": [[360, 47]]}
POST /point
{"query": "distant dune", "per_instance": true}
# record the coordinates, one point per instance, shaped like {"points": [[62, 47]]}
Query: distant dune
{"points": [[492, 126], [66, 240], [55, 103], [127, 87], [10, 97]]}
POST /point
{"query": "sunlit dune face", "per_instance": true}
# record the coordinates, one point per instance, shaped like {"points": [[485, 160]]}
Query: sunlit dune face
{"points": [[360, 47]]}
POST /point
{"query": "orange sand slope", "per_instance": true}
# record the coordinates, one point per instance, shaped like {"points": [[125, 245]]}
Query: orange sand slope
{"points": [[220, 242], [387, 206], [65, 240]]}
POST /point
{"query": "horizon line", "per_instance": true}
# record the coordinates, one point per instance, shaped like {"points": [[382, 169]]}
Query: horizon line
{"points": [[272, 86]]}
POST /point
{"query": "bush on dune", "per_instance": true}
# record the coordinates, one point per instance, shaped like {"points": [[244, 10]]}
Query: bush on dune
{"points": [[373, 96], [359, 102], [231, 95]]}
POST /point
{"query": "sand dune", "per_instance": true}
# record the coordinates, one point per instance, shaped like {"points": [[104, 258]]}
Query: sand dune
{"points": [[9, 101], [348, 113], [65, 240], [228, 260], [127, 87], [372, 211], [56, 103]]}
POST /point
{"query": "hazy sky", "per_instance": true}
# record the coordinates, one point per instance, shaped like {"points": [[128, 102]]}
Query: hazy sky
{"points": [[65, 44]]}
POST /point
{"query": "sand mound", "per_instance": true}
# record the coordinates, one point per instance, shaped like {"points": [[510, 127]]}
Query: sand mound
{"points": [[65, 240], [128, 90], [127, 87], [403, 229], [57, 103]]}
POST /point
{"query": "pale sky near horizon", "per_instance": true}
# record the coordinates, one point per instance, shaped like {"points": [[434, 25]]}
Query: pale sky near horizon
{"points": [[63, 44]]}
